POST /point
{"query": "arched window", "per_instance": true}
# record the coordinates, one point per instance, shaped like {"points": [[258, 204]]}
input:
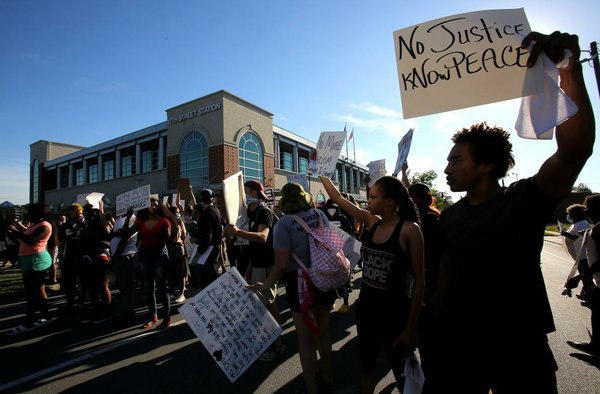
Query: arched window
{"points": [[193, 159], [36, 182], [251, 157]]}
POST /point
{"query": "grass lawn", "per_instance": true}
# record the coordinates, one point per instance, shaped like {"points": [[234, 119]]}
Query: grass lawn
{"points": [[11, 284]]}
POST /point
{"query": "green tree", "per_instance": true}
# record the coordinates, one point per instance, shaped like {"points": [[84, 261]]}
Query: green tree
{"points": [[582, 187], [442, 200]]}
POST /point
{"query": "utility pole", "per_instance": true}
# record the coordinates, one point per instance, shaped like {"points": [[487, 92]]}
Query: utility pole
{"points": [[595, 62]]}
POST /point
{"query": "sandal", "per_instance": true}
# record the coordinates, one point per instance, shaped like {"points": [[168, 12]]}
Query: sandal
{"points": [[151, 322]]}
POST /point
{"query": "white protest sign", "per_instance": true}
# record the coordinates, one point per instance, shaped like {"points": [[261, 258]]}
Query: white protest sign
{"points": [[190, 247], [94, 199], [137, 198], [462, 61], [328, 151], [403, 149], [234, 197], [376, 170], [351, 245], [301, 179], [313, 165], [231, 322]]}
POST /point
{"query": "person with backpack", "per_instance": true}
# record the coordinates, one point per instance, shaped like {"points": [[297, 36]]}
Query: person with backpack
{"points": [[310, 306], [393, 276], [260, 252]]}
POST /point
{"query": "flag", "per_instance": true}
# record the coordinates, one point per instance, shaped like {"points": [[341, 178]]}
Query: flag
{"points": [[351, 135]]}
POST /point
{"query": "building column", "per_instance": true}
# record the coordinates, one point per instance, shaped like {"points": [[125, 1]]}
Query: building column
{"points": [[100, 168], [344, 182], [276, 152], [85, 172], [295, 158], [57, 177], [71, 175], [161, 153], [138, 158], [351, 180], [118, 164]]}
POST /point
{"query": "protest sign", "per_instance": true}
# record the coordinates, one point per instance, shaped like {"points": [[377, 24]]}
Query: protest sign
{"points": [[403, 149], [376, 170], [351, 245], [328, 151], [234, 198], [184, 188], [231, 322], [137, 198], [301, 179], [190, 247], [463, 60]]}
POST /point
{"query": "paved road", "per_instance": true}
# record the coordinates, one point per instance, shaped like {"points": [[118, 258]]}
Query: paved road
{"points": [[71, 356]]}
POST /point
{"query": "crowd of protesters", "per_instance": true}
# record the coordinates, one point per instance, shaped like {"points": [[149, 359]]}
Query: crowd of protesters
{"points": [[441, 283]]}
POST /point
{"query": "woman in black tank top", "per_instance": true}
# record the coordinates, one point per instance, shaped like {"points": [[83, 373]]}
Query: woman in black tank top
{"points": [[393, 280]]}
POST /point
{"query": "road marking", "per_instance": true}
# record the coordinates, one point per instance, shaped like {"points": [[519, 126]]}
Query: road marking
{"points": [[81, 358]]}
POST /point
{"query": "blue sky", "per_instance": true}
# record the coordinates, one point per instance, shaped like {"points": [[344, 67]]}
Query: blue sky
{"points": [[83, 72]]}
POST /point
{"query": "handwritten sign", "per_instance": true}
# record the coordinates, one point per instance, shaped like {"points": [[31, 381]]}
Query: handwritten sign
{"points": [[231, 322], [301, 179], [328, 151], [403, 149], [137, 198], [376, 170], [462, 61]]}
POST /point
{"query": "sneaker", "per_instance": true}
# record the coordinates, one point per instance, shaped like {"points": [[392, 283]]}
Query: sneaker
{"points": [[21, 329], [343, 308], [180, 299], [166, 323], [150, 323], [272, 353]]}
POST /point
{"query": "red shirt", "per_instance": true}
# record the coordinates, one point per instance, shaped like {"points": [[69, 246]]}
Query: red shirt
{"points": [[152, 238]]}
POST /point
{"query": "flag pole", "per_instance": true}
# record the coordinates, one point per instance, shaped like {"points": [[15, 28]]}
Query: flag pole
{"points": [[346, 137], [353, 145]]}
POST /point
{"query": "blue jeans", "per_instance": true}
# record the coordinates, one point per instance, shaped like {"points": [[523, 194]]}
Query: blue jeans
{"points": [[155, 270]]}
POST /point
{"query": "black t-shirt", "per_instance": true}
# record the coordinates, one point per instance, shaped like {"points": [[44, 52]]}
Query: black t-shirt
{"points": [[261, 255], [497, 287]]}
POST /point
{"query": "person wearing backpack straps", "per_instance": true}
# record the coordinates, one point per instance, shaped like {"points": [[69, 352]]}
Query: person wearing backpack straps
{"points": [[310, 307], [260, 252], [393, 276]]}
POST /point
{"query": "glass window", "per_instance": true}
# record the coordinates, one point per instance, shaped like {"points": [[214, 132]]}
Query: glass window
{"points": [[93, 173], [150, 156], [250, 155], [286, 157], [303, 165], [36, 182], [193, 159], [126, 165], [79, 176], [109, 170], [64, 177]]}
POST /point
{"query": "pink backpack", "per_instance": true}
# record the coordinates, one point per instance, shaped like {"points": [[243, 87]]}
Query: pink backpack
{"points": [[329, 268]]}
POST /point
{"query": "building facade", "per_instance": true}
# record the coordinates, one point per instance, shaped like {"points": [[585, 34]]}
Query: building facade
{"points": [[204, 140]]}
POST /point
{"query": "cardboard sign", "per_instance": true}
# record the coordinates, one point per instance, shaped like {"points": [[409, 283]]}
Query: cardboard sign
{"points": [[462, 61], [137, 198], [376, 170], [351, 245], [403, 149], [231, 322], [302, 179], [234, 198], [328, 151], [185, 190]]}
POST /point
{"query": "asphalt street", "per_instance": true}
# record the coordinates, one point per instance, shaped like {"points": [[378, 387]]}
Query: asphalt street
{"points": [[75, 357]]}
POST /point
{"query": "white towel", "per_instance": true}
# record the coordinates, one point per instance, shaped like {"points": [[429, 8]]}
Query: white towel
{"points": [[541, 113]]}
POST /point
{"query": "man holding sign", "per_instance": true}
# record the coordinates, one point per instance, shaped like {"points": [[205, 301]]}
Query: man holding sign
{"points": [[494, 313]]}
